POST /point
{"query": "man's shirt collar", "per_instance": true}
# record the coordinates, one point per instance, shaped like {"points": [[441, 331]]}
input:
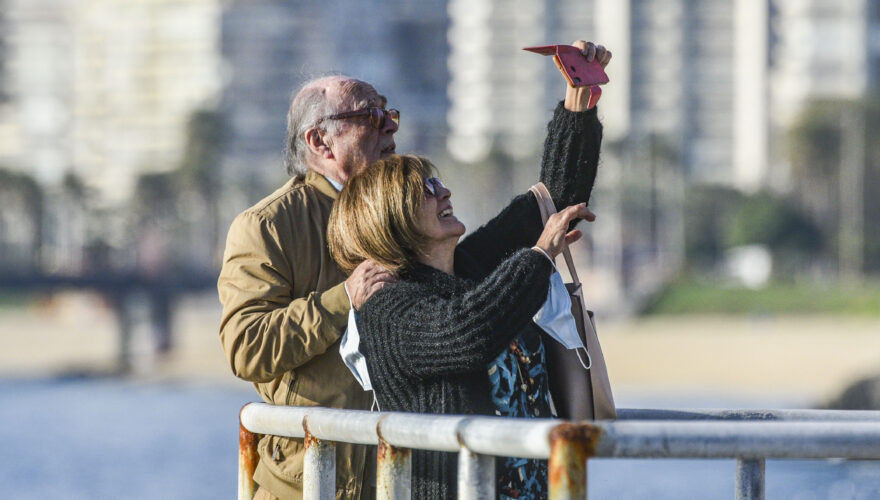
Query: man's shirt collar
{"points": [[336, 185]]}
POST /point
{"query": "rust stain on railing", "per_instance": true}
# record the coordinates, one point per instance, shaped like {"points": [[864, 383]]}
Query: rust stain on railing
{"points": [[392, 454], [393, 471], [319, 466], [309, 440], [247, 461], [570, 447]]}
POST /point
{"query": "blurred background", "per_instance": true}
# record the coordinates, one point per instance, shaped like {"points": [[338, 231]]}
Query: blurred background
{"points": [[734, 263]]}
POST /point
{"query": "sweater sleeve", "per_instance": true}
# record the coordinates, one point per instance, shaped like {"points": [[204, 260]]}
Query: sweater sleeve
{"points": [[428, 336], [571, 155], [517, 226], [568, 169]]}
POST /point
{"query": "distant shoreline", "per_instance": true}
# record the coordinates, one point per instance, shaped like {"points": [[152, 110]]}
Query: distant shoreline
{"points": [[808, 358]]}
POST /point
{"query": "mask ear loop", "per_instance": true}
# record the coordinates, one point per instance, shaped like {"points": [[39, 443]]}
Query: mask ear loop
{"points": [[589, 359], [375, 405]]}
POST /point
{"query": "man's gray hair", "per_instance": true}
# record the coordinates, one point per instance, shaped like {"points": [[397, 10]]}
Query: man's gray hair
{"points": [[308, 106]]}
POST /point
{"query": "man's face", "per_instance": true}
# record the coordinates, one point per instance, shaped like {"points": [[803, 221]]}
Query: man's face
{"points": [[358, 143]]}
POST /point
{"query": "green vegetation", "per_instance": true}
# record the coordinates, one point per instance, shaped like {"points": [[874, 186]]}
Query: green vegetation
{"points": [[14, 300], [689, 297], [718, 218]]}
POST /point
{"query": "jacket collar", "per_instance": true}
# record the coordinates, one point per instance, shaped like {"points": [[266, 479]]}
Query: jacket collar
{"points": [[320, 183]]}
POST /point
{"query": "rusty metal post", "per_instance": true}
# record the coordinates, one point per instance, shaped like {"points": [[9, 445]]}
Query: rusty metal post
{"points": [[247, 461], [319, 468], [476, 475], [394, 472], [749, 479], [570, 447]]}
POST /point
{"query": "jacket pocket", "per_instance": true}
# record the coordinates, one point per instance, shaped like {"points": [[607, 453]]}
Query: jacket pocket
{"points": [[284, 457], [292, 382]]}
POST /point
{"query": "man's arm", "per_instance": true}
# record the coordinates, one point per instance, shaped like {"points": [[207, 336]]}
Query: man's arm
{"points": [[266, 331]]}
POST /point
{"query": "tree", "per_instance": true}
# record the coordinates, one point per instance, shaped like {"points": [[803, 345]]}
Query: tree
{"points": [[199, 171], [708, 211], [22, 201], [775, 222], [819, 145]]}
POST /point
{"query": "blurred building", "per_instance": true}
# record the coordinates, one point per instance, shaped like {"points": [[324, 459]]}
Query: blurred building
{"points": [[141, 69], [676, 77], [35, 114], [715, 80], [103, 88], [496, 91], [4, 30], [500, 97], [821, 50]]}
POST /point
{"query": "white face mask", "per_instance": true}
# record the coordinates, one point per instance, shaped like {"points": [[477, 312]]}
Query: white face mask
{"points": [[555, 318], [348, 349]]}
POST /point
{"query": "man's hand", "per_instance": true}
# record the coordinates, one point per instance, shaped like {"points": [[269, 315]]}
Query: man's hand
{"points": [[576, 98], [366, 279]]}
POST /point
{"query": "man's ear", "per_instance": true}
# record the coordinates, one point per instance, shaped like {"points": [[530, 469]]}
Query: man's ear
{"points": [[318, 143]]}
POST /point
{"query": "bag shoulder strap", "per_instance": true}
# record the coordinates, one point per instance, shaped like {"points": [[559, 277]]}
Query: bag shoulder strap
{"points": [[548, 208]]}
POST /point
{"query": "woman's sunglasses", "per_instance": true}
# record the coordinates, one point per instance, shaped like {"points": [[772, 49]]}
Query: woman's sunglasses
{"points": [[377, 116], [432, 185]]}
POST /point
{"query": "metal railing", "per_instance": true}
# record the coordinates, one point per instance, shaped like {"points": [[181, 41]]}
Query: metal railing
{"points": [[749, 436]]}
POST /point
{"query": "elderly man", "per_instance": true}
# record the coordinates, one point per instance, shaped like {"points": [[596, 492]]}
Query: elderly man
{"points": [[285, 304]]}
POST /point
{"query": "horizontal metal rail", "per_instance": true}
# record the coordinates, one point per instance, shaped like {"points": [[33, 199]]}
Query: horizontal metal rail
{"points": [[750, 436], [749, 415]]}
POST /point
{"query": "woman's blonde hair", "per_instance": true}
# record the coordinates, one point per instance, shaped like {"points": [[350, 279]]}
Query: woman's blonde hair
{"points": [[375, 214]]}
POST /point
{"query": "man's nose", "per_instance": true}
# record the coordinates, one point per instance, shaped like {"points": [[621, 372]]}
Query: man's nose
{"points": [[390, 126], [443, 192]]}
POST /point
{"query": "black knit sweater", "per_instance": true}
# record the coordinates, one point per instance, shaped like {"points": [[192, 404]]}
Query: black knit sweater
{"points": [[429, 338]]}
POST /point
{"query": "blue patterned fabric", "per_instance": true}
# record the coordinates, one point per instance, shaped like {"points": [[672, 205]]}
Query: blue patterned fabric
{"points": [[518, 377]]}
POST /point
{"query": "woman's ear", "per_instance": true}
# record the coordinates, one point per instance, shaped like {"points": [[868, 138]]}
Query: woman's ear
{"points": [[319, 144]]}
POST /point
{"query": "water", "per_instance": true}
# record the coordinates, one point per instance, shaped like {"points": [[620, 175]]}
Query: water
{"points": [[118, 439], [95, 439], [714, 479]]}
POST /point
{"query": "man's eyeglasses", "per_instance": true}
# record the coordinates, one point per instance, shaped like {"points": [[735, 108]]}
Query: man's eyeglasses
{"points": [[432, 186], [377, 116]]}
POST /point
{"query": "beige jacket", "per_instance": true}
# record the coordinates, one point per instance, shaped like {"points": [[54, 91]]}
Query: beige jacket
{"points": [[284, 311]]}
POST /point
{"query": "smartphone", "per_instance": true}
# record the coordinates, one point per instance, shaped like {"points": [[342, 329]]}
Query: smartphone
{"points": [[573, 65]]}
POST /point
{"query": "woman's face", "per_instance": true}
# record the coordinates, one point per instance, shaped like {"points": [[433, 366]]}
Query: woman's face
{"points": [[435, 218]]}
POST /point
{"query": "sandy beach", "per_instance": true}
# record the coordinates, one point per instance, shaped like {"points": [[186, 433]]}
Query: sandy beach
{"points": [[803, 358]]}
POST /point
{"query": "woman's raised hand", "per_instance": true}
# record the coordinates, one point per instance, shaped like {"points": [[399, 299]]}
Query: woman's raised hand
{"points": [[577, 98], [556, 234], [592, 51]]}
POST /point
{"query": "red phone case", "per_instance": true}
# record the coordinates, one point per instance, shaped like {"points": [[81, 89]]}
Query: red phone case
{"points": [[574, 65]]}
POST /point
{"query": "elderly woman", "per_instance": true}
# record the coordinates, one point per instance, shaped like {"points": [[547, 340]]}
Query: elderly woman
{"points": [[429, 339], [455, 335]]}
